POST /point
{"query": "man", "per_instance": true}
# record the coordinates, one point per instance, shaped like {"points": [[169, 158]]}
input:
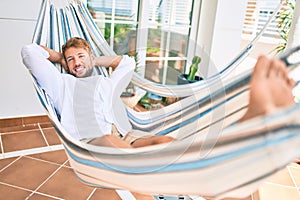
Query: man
{"points": [[271, 89], [89, 104]]}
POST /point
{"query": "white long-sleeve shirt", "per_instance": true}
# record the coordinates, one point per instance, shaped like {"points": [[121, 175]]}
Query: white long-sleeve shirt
{"points": [[88, 106]]}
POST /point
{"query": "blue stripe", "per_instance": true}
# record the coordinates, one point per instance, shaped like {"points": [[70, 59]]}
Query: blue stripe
{"points": [[199, 164], [166, 131]]}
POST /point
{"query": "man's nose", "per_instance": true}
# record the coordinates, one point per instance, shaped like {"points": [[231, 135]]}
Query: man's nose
{"points": [[76, 61]]}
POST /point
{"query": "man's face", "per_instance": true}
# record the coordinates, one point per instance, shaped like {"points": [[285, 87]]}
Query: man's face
{"points": [[79, 61]]}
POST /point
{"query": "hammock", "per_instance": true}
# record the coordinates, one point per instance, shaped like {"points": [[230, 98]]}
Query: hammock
{"points": [[207, 159]]}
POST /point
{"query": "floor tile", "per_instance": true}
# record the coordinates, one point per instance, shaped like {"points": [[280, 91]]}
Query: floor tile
{"points": [[295, 165], [103, 194], [142, 196], [46, 125], [58, 157], [23, 140], [36, 196], [277, 192], [11, 122], [246, 198], [295, 173], [67, 164], [36, 119], [51, 136], [64, 184], [27, 173], [282, 177], [6, 162], [13, 129], [11, 193]]}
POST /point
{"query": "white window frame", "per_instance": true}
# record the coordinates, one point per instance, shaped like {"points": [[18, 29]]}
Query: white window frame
{"points": [[142, 36], [143, 23]]}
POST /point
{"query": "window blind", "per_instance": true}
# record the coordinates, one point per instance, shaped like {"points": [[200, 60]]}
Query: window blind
{"points": [[257, 14]]}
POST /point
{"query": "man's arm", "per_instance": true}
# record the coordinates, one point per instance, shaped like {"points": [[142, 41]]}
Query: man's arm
{"points": [[56, 57], [108, 61], [49, 78]]}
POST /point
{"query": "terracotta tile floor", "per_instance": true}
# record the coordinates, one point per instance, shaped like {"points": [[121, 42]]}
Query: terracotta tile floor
{"points": [[33, 165]]}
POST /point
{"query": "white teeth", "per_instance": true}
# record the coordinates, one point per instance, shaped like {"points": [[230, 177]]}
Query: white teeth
{"points": [[79, 69]]}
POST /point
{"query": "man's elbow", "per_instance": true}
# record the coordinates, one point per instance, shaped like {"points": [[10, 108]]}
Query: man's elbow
{"points": [[26, 50], [32, 50]]}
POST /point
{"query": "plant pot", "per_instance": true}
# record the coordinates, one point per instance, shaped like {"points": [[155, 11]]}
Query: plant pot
{"points": [[182, 79], [129, 91]]}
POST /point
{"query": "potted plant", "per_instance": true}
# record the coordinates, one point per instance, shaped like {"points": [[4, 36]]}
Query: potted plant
{"points": [[284, 18], [191, 76]]}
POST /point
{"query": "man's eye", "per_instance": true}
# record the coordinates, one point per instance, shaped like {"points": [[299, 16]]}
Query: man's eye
{"points": [[69, 59]]}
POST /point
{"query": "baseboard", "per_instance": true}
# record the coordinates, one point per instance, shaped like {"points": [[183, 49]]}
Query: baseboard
{"points": [[23, 121]]}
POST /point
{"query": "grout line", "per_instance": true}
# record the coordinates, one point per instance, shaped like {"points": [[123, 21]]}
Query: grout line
{"points": [[35, 127], [17, 187], [1, 143], [46, 161], [92, 193], [43, 194], [22, 119], [32, 151], [253, 197], [43, 134], [14, 186], [24, 131], [293, 179], [280, 185], [125, 194], [10, 164], [35, 191], [294, 167]]}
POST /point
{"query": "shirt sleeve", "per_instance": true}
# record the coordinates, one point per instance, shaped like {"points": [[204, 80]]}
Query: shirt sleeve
{"points": [[122, 75], [119, 80], [48, 77]]}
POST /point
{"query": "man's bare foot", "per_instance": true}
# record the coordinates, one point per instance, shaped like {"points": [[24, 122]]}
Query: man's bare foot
{"points": [[270, 88]]}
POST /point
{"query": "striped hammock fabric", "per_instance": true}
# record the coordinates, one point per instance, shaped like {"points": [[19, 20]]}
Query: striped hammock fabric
{"points": [[206, 159]]}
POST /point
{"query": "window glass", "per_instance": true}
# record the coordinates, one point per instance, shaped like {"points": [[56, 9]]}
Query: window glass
{"points": [[170, 22], [168, 26], [117, 21]]}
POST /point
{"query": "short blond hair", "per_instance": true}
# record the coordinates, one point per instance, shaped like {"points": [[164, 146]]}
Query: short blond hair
{"points": [[77, 43]]}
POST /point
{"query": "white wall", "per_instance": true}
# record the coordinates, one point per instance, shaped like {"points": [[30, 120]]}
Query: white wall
{"points": [[17, 22], [227, 33], [219, 35]]}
